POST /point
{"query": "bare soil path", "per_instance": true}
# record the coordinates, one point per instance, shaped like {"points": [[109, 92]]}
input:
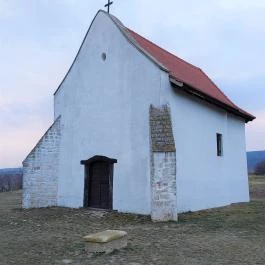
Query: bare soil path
{"points": [[228, 235]]}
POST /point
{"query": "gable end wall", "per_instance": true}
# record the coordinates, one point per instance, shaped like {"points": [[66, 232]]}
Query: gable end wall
{"points": [[105, 111]]}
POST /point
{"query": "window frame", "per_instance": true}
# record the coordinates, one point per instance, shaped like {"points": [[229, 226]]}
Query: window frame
{"points": [[219, 144]]}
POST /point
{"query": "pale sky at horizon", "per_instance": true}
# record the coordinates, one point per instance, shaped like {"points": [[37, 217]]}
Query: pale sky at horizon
{"points": [[39, 40]]}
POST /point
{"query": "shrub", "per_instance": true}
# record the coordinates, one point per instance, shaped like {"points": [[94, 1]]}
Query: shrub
{"points": [[260, 168]]}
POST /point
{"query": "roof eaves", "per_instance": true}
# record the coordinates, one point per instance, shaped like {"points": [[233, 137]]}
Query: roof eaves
{"points": [[217, 87], [199, 94]]}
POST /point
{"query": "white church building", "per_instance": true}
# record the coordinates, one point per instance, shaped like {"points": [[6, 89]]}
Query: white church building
{"points": [[137, 129]]}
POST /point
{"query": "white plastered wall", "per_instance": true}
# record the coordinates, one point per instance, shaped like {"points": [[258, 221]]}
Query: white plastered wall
{"points": [[205, 180], [104, 108]]}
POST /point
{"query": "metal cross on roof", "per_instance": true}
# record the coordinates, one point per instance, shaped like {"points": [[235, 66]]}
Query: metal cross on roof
{"points": [[109, 4]]}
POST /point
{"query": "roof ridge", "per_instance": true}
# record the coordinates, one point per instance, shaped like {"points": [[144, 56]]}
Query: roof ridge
{"points": [[170, 53]]}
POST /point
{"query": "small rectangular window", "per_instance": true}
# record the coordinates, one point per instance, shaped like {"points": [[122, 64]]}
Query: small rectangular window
{"points": [[219, 142]]}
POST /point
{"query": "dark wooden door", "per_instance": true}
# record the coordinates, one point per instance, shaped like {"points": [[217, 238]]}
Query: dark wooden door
{"points": [[100, 186]]}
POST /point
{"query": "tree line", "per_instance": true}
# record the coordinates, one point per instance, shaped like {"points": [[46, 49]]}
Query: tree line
{"points": [[260, 168], [10, 182]]}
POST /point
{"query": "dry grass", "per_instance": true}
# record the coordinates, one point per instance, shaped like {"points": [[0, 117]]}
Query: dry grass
{"points": [[257, 188], [228, 235]]}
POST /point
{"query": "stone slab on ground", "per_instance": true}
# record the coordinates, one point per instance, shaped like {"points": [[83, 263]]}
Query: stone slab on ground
{"points": [[105, 241]]}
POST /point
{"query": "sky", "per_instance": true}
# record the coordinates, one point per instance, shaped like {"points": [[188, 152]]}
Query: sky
{"points": [[40, 38]]}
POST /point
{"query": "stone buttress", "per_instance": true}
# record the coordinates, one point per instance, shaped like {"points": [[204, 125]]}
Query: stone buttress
{"points": [[40, 170], [163, 165]]}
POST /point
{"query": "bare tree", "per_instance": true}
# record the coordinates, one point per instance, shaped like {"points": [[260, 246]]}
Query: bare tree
{"points": [[260, 168]]}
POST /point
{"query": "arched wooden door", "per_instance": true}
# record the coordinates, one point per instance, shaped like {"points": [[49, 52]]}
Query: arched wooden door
{"points": [[98, 182]]}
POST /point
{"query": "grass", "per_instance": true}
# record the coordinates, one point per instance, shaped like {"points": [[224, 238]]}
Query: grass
{"points": [[227, 235]]}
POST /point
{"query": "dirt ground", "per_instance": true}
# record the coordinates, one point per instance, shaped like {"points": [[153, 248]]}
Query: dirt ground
{"points": [[228, 235]]}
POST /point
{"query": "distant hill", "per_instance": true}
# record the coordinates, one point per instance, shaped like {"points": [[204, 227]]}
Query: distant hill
{"points": [[10, 179], [17, 170], [253, 158]]}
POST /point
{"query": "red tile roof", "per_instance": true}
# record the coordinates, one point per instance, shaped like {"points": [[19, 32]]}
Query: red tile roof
{"points": [[188, 74]]}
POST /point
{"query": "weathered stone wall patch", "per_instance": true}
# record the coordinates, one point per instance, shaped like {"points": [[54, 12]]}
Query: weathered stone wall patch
{"points": [[162, 138], [163, 165]]}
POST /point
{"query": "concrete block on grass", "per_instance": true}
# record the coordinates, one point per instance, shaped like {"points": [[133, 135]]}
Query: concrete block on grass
{"points": [[105, 241]]}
